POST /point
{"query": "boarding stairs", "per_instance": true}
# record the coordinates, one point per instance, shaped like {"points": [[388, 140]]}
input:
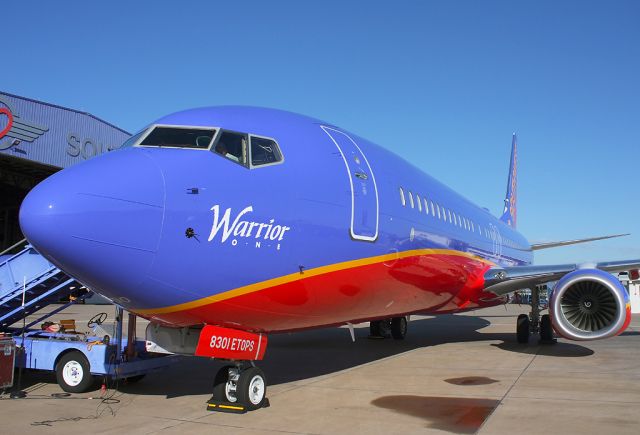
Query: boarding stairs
{"points": [[29, 282]]}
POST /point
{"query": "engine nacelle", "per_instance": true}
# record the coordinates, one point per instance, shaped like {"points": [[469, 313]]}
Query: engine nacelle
{"points": [[589, 304]]}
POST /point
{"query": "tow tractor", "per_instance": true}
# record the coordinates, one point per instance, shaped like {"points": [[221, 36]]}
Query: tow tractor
{"points": [[28, 282]]}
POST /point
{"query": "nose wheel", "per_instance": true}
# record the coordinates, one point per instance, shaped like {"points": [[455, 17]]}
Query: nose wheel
{"points": [[239, 388]]}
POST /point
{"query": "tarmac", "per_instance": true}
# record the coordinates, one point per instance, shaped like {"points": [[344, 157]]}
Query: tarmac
{"points": [[460, 373]]}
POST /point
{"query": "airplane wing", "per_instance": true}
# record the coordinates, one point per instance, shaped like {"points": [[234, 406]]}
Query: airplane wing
{"points": [[538, 246], [503, 280]]}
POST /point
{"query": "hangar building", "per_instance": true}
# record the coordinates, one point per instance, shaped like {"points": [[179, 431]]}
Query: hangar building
{"points": [[38, 139]]}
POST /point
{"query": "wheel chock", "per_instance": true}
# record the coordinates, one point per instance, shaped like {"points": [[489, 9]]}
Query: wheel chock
{"points": [[232, 408]]}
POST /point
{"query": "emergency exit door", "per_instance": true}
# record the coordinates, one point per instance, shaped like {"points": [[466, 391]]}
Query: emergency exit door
{"points": [[364, 192]]}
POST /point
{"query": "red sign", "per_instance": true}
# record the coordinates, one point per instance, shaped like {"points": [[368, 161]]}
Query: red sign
{"points": [[6, 129], [226, 343]]}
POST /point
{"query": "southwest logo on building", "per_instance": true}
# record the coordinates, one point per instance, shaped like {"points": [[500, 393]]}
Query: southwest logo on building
{"points": [[14, 129]]}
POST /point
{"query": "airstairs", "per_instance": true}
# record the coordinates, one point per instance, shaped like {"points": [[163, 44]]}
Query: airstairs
{"points": [[29, 282]]}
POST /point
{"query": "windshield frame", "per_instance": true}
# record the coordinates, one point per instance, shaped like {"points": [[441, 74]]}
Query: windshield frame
{"points": [[250, 154], [152, 127]]}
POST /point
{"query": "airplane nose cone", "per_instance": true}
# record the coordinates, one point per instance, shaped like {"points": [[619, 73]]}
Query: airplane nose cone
{"points": [[99, 220]]}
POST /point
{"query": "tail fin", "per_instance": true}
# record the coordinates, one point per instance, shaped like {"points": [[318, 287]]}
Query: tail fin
{"points": [[510, 213]]}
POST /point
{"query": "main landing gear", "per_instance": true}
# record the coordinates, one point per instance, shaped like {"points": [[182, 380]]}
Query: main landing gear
{"points": [[239, 388], [396, 327], [534, 323]]}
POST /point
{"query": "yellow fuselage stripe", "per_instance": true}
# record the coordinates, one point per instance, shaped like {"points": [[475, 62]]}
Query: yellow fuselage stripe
{"points": [[306, 274]]}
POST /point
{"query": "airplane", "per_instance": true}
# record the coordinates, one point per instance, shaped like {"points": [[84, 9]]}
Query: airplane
{"points": [[221, 225]]}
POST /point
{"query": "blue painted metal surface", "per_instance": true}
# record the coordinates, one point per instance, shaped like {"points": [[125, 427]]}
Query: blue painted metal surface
{"points": [[130, 209]]}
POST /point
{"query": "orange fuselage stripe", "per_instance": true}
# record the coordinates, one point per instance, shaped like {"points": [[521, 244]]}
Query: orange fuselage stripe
{"points": [[306, 274]]}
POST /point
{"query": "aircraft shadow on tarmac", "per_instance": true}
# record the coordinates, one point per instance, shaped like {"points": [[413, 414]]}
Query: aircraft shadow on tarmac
{"points": [[303, 355], [308, 354], [451, 414]]}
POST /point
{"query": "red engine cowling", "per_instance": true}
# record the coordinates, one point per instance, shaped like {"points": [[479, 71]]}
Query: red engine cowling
{"points": [[589, 304]]}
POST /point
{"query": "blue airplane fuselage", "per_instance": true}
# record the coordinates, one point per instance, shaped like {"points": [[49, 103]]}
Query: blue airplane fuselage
{"points": [[340, 230]]}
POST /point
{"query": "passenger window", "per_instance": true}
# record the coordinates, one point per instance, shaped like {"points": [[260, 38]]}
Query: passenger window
{"points": [[233, 146], [411, 199], [426, 206], [438, 210], [449, 212], [402, 198], [419, 201], [264, 151]]}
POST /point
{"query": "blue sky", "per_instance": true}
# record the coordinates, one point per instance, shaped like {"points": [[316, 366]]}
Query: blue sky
{"points": [[444, 84]]}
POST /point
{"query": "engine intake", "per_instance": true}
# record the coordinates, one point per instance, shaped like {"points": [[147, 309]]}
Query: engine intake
{"points": [[589, 304]]}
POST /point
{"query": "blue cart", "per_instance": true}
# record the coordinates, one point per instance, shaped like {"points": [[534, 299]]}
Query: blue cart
{"points": [[28, 282]]}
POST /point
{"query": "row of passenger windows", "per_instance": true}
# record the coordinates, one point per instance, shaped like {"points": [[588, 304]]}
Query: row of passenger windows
{"points": [[422, 204], [246, 149], [436, 210]]}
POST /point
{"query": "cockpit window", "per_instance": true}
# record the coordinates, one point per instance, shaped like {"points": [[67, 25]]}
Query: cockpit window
{"points": [[233, 146], [176, 137], [133, 139], [264, 151]]}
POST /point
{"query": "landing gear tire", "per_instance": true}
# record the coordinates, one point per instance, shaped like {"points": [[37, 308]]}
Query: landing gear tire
{"points": [[243, 387], [223, 390], [522, 329], [546, 331], [73, 373], [251, 388], [399, 328]]}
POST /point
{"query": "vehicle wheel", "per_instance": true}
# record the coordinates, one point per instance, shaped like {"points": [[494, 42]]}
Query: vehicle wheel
{"points": [[223, 388], [546, 331], [522, 330], [399, 328], [73, 373], [252, 388]]}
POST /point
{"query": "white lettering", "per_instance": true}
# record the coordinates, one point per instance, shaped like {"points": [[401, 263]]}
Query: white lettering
{"points": [[276, 232], [284, 229], [226, 232], [241, 229], [227, 226]]}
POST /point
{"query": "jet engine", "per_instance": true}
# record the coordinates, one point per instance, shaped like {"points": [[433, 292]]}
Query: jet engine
{"points": [[589, 304]]}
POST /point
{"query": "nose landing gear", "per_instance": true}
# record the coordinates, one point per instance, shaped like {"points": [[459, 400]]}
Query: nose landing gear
{"points": [[239, 388]]}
